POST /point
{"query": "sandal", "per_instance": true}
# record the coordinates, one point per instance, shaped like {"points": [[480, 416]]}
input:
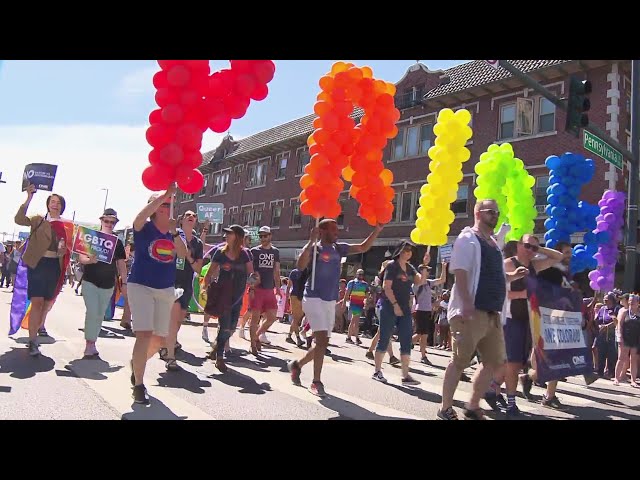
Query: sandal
{"points": [[172, 365], [163, 352]]}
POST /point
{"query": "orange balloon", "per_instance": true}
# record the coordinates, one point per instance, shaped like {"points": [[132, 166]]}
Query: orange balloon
{"points": [[306, 181], [317, 123], [303, 196], [347, 173], [306, 208], [321, 108], [367, 72], [323, 97], [326, 83], [311, 140], [353, 191], [334, 210], [315, 148], [321, 136], [389, 193], [339, 67]]}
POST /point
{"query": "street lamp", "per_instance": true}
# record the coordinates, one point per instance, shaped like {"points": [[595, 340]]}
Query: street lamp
{"points": [[106, 197]]}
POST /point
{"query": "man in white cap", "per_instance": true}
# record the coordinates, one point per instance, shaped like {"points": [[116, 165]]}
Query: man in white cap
{"points": [[266, 262]]}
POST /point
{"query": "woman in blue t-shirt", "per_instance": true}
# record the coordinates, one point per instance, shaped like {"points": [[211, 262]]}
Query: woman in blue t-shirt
{"points": [[395, 311], [151, 289], [230, 263]]}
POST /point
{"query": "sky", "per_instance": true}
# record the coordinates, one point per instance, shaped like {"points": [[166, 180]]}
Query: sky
{"points": [[89, 117]]}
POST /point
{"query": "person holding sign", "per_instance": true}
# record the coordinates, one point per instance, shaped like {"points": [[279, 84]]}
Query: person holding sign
{"points": [[321, 293], [46, 258], [185, 268], [151, 283], [98, 282]]}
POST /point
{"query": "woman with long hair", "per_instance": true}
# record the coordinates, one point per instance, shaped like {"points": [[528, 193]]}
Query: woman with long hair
{"points": [[151, 283], [99, 281], [46, 258], [629, 325], [230, 264]]}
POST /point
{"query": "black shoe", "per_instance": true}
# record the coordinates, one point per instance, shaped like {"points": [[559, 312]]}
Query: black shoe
{"points": [[492, 399], [299, 342], [473, 414], [513, 412], [309, 342], [527, 384], [140, 395], [464, 378], [327, 352], [358, 341], [43, 332], [289, 339], [448, 414], [553, 403], [501, 400], [426, 361]]}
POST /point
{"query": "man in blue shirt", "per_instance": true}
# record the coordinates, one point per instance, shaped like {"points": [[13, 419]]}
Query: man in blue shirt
{"points": [[319, 302]]}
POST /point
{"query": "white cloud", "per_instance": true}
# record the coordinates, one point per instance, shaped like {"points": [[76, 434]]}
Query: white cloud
{"points": [[89, 158], [137, 84]]}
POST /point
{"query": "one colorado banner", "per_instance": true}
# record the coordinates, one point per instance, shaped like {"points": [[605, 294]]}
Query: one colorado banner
{"points": [[559, 343]]}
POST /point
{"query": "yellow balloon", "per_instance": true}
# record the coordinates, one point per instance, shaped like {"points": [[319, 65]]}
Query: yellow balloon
{"points": [[445, 114], [421, 213], [421, 224], [427, 201], [463, 116], [425, 190], [416, 236]]}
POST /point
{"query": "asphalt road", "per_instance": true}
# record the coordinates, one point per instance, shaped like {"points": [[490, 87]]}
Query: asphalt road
{"points": [[61, 385]]}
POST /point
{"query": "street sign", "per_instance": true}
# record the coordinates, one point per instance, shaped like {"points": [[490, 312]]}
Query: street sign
{"points": [[602, 149], [493, 63], [210, 211]]}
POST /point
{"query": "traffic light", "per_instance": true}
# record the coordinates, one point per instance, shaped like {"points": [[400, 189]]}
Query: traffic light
{"points": [[579, 103]]}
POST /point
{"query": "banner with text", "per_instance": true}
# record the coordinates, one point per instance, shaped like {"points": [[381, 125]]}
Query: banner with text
{"points": [[91, 242], [559, 342], [42, 175], [210, 211]]}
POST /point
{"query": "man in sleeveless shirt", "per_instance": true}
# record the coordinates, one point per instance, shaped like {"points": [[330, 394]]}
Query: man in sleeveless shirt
{"points": [[517, 331]]}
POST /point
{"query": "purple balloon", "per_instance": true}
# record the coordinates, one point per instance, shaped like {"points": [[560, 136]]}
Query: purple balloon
{"points": [[593, 285], [603, 226], [609, 194], [609, 218], [593, 275]]}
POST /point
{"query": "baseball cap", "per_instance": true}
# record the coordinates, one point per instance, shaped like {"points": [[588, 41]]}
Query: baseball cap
{"points": [[400, 247], [360, 272], [264, 230], [110, 212], [237, 229]]}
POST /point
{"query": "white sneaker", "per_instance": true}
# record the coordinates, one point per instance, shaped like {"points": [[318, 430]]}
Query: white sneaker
{"points": [[263, 339], [241, 334], [205, 334]]}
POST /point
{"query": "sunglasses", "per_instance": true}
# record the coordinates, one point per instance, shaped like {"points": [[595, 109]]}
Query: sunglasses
{"points": [[529, 246], [264, 235], [109, 222], [491, 211], [189, 215]]}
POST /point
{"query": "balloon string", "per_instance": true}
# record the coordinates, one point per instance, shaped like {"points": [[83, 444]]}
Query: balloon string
{"points": [[313, 264]]}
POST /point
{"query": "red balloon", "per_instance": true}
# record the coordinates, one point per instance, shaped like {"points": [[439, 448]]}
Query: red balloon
{"points": [[220, 84], [192, 158], [198, 66], [160, 79], [155, 116], [220, 124], [158, 135], [154, 157], [189, 98], [236, 106], [189, 137], [171, 155], [173, 113], [260, 92], [243, 66], [245, 84], [189, 180], [166, 96], [264, 70], [213, 107], [157, 177], [178, 76]]}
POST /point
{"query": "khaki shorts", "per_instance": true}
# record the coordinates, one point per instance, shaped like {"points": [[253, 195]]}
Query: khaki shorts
{"points": [[150, 308], [482, 333]]}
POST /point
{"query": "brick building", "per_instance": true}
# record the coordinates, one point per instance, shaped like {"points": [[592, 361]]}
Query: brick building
{"points": [[256, 178]]}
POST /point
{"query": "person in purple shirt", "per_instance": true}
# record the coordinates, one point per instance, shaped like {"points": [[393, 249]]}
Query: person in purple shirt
{"points": [[319, 303]]}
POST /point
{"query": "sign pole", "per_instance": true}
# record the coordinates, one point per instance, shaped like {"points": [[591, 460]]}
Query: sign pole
{"points": [[313, 265]]}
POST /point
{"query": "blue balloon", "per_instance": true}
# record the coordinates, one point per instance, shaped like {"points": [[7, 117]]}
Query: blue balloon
{"points": [[602, 237], [590, 238], [548, 210], [553, 200], [549, 223], [551, 234], [558, 212], [558, 189], [552, 162]]}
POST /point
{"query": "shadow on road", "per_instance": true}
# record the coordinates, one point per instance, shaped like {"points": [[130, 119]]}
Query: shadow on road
{"points": [[189, 358], [350, 411], [245, 383], [184, 380], [417, 392], [624, 390], [20, 365], [48, 340], [340, 359], [600, 401], [91, 369], [155, 411], [118, 332]]}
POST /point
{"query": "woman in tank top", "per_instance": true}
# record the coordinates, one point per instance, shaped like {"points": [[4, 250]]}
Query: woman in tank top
{"points": [[629, 326]]}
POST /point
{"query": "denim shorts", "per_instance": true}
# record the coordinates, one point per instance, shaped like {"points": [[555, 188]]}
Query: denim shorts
{"points": [[389, 321]]}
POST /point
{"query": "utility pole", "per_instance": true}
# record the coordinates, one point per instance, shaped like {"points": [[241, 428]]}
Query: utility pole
{"points": [[631, 239], [633, 157]]}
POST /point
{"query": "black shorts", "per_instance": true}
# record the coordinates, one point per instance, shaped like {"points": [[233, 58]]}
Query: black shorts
{"points": [[424, 323], [185, 299], [43, 280]]}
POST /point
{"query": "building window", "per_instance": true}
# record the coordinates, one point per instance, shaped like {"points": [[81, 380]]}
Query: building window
{"points": [[233, 215], [406, 206], [507, 121], [412, 141], [296, 217], [257, 173], [459, 207], [276, 213], [281, 164], [547, 116], [204, 186], [247, 216], [237, 173], [257, 216], [542, 183], [426, 137], [394, 202], [303, 159], [220, 182]]}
